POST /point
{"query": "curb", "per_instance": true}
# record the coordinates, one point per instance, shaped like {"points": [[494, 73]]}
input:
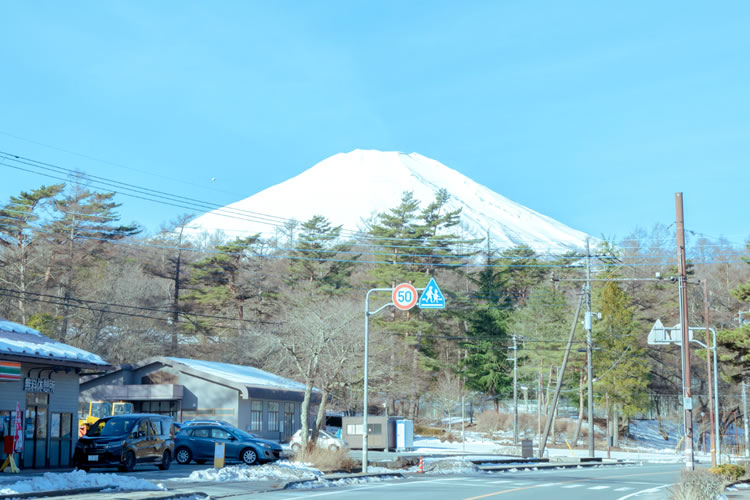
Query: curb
{"points": [[52, 493], [331, 478], [555, 465]]}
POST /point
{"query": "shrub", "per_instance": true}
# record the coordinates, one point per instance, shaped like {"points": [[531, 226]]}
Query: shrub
{"points": [[326, 460], [425, 431], [493, 421], [729, 472], [697, 485]]}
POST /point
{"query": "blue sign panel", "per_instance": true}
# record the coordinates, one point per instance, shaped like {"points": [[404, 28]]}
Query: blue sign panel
{"points": [[432, 297]]}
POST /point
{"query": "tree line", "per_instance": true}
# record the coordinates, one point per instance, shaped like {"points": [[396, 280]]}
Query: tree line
{"points": [[293, 304]]}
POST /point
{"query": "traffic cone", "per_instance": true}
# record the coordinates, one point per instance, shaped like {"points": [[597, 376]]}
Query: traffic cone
{"points": [[420, 469]]}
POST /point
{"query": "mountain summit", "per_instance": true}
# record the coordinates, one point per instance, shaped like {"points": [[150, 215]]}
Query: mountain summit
{"points": [[348, 188]]}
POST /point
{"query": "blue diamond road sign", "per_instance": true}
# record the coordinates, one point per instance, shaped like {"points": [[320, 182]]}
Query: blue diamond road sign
{"points": [[432, 297]]}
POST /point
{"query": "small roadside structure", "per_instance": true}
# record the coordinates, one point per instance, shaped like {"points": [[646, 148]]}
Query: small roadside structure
{"points": [[41, 375], [251, 399]]}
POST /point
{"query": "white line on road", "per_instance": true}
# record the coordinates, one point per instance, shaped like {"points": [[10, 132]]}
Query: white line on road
{"points": [[573, 486], [598, 488], [625, 488], [648, 490]]}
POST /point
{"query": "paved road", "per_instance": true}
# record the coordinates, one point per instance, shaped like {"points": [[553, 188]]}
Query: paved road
{"points": [[617, 483]]}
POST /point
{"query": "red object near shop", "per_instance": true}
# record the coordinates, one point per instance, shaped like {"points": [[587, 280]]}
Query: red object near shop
{"points": [[8, 445]]}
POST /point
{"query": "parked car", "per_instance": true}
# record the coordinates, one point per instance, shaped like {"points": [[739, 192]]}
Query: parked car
{"points": [[123, 441], [325, 440], [197, 442]]}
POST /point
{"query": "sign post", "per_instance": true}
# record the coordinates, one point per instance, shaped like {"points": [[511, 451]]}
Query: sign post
{"points": [[403, 296]]}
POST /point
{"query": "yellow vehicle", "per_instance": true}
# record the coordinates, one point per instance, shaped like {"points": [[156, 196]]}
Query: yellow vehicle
{"points": [[101, 409]]}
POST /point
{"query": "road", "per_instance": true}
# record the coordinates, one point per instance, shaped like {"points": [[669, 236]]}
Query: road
{"points": [[587, 483], [646, 482]]}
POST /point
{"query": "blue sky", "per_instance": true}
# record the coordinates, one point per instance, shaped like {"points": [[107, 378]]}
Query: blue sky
{"points": [[593, 113]]}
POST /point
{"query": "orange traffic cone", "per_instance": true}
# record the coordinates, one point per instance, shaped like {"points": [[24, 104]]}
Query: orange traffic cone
{"points": [[420, 469]]}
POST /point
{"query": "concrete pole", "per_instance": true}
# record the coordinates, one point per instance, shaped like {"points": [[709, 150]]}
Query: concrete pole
{"points": [[609, 439], [708, 370], [589, 353], [687, 401], [364, 395], [515, 390], [745, 419], [560, 374]]}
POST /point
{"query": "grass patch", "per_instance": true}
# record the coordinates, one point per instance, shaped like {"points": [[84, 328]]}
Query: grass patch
{"points": [[326, 460]]}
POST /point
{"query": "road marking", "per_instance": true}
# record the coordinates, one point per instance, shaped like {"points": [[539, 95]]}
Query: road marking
{"points": [[598, 488], [618, 477], [626, 488], [547, 484], [573, 486], [647, 490], [499, 482]]}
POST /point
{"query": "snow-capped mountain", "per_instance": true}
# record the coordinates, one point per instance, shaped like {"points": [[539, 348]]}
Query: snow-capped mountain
{"points": [[348, 188]]}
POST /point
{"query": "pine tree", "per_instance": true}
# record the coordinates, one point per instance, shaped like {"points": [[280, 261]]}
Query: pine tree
{"points": [[21, 265], [320, 257]]}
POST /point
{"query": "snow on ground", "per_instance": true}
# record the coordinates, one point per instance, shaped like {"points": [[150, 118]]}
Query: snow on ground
{"points": [[282, 470], [52, 481]]}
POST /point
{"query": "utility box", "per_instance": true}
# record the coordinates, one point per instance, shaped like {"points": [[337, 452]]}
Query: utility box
{"points": [[381, 432], [527, 448], [404, 435]]}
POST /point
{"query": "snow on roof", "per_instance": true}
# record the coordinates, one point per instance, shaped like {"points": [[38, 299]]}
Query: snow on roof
{"points": [[245, 375], [24, 341]]}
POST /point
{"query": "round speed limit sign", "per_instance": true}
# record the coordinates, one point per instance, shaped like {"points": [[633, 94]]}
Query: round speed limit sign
{"points": [[404, 296]]}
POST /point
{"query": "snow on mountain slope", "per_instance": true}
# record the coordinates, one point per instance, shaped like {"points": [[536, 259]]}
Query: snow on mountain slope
{"points": [[348, 188]]}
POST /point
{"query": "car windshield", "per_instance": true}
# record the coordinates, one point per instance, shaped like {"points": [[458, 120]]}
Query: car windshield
{"points": [[243, 434], [112, 427]]}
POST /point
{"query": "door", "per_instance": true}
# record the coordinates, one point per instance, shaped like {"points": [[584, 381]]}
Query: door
{"points": [[231, 446]]}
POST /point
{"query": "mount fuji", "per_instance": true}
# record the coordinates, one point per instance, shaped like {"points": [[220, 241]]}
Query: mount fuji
{"points": [[350, 188]]}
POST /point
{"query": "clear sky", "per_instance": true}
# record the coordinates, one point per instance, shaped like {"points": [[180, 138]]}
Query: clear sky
{"points": [[593, 113]]}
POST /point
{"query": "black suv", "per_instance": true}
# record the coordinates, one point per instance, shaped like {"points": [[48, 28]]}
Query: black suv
{"points": [[123, 441]]}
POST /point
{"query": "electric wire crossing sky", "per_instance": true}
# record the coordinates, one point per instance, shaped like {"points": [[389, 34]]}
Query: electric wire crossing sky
{"points": [[432, 297]]}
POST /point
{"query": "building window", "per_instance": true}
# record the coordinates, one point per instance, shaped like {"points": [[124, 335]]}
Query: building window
{"points": [[256, 416], [289, 418], [273, 416]]}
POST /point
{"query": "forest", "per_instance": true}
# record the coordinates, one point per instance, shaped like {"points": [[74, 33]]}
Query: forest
{"points": [[294, 304]]}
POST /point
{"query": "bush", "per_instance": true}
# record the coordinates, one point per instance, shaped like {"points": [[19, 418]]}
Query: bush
{"points": [[326, 460], [697, 485], [729, 472], [425, 431]]}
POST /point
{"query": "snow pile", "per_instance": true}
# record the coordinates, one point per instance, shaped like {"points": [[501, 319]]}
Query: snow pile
{"points": [[448, 466], [54, 481], [283, 470], [333, 483]]}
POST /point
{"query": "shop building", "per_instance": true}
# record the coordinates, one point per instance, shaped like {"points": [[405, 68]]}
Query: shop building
{"points": [[41, 376], [249, 398]]}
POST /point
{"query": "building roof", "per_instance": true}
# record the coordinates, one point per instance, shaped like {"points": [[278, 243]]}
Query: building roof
{"points": [[19, 341], [244, 375]]}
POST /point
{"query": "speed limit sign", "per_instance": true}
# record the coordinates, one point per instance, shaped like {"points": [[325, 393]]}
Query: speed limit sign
{"points": [[404, 296]]}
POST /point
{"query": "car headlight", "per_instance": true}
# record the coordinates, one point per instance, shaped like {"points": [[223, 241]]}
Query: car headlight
{"points": [[265, 445]]}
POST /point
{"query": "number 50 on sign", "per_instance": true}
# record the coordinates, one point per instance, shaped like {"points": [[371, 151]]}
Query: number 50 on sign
{"points": [[404, 296]]}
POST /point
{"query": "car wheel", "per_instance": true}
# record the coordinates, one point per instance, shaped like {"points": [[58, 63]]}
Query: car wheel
{"points": [[183, 456], [249, 456], [333, 447], [129, 463], [296, 447], [166, 460]]}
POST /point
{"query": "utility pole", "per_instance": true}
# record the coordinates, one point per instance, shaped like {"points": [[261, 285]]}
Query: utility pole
{"points": [[609, 439], [560, 373], [515, 390], [744, 419], [687, 394], [708, 370], [589, 352]]}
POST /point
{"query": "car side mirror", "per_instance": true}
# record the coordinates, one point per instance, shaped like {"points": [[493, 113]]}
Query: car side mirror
{"points": [[232, 438], [140, 434]]}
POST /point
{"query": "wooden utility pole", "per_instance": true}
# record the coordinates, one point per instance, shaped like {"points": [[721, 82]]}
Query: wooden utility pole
{"points": [[687, 395]]}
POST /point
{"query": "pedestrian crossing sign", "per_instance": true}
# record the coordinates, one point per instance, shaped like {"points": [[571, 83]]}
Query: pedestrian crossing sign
{"points": [[432, 297]]}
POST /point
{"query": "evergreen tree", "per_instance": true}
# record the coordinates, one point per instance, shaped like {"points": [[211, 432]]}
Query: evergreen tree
{"points": [[20, 264], [85, 221], [321, 257]]}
